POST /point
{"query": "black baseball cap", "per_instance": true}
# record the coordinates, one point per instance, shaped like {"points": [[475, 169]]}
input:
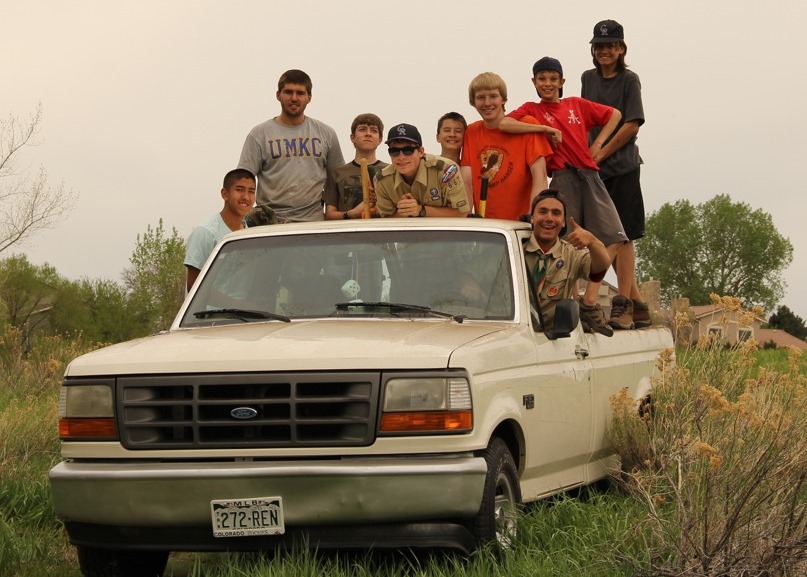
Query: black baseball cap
{"points": [[549, 63], [404, 132], [607, 31]]}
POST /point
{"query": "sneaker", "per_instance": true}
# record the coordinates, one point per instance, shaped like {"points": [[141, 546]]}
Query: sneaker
{"points": [[621, 313], [593, 319], [641, 315]]}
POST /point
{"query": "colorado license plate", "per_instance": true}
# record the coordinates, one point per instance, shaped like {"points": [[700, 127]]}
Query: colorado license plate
{"points": [[245, 517]]}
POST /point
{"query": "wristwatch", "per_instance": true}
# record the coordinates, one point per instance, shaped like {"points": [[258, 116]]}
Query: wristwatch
{"points": [[345, 215], [422, 210]]}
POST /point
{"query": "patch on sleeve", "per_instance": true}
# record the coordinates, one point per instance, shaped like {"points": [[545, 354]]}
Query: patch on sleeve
{"points": [[449, 173]]}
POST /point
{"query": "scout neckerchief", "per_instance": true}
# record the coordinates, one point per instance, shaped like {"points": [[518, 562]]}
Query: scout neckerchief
{"points": [[541, 266]]}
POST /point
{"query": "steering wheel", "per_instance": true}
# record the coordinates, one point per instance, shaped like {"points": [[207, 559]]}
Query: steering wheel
{"points": [[449, 298]]}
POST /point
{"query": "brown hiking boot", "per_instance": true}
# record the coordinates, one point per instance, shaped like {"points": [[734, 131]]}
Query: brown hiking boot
{"points": [[621, 313], [641, 315], [593, 319]]}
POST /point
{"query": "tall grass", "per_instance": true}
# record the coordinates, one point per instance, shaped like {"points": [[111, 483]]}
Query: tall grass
{"points": [[719, 463], [32, 541]]}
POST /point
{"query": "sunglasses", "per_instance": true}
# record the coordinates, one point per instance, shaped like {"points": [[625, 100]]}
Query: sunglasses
{"points": [[407, 150]]}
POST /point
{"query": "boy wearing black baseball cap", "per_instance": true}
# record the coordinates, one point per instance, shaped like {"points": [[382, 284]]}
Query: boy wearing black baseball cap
{"points": [[611, 83], [572, 168], [416, 183]]}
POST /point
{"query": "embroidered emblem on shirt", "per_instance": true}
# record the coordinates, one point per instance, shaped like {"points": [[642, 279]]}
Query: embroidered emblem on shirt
{"points": [[559, 263], [553, 290], [449, 173], [434, 193]]}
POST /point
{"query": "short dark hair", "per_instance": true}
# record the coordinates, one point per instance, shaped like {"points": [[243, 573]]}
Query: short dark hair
{"points": [[369, 119], [456, 116], [295, 77], [237, 174], [543, 195]]}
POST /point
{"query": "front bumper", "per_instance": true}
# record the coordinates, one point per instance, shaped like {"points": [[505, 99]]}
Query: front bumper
{"points": [[168, 497]]}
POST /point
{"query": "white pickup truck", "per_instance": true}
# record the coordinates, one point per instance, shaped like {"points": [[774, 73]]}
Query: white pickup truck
{"points": [[375, 383]]}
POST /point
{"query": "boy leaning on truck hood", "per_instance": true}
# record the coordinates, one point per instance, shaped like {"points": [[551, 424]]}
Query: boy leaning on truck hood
{"points": [[556, 264]]}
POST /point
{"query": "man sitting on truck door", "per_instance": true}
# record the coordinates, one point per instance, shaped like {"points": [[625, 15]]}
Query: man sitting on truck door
{"points": [[556, 264]]}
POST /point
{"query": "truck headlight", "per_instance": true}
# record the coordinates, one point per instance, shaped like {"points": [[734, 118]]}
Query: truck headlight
{"points": [[427, 404], [87, 411]]}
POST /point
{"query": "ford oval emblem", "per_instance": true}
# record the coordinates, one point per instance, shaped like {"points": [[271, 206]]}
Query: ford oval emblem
{"points": [[243, 413]]}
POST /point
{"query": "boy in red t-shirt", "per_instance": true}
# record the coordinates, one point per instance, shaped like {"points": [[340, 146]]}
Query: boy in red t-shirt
{"points": [[572, 168]]}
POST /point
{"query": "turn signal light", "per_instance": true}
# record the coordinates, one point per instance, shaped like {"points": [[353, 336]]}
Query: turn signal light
{"points": [[431, 421], [87, 428]]}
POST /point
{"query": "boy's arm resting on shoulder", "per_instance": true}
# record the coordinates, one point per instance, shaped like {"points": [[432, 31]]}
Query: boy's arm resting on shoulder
{"points": [[624, 135], [530, 126], [514, 126]]}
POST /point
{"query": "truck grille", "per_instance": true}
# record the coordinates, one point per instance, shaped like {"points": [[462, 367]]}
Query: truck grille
{"points": [[276, 410]]}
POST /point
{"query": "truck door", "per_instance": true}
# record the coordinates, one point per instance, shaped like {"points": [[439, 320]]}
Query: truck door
{"points": [[558, 426]]}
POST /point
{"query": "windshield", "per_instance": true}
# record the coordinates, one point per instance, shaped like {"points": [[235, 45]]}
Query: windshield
{"points": [[357, 274]]}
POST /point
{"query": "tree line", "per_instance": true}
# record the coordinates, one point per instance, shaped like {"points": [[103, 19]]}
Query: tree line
{"points": [[37, 300]]}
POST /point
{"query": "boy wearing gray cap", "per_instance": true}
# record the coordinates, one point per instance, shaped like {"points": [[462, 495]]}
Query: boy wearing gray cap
{"points": [[418, 184]]}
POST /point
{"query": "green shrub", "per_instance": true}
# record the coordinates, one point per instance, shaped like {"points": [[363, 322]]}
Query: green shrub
{"points": [[720, 463]]}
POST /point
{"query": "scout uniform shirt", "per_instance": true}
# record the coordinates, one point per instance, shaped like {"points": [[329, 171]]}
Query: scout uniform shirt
{"points": [[564, 266], [437, 183]]}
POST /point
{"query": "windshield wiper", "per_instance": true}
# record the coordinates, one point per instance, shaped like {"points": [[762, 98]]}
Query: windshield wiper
{"points": [[240, 314], [401, 307]]}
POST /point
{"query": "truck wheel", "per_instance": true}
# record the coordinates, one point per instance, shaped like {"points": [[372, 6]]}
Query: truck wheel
{"points": [[110, 563], [498, 514]]}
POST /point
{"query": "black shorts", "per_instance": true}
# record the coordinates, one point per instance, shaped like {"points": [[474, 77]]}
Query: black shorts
{"points": [[626, 192]]}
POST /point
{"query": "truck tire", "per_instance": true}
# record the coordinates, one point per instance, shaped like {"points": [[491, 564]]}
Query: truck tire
{"points": [[111, 563], [497, 518]]}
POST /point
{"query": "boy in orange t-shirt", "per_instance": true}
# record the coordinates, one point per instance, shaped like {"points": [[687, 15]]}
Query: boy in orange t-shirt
{"points": [[514, 164]]}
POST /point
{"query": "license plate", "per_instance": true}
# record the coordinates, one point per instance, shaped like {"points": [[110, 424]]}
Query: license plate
{"points": [[246, 517]]}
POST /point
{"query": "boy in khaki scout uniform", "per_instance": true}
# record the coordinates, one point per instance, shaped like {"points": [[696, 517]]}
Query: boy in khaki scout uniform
{"points": [[557, 264], [418, 184]]}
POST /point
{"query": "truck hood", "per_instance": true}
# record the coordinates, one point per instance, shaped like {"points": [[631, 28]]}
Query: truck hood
{"points": [[301, 345]]}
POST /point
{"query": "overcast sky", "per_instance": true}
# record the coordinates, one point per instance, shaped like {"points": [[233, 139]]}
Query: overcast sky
{"points": [[147, 104]]}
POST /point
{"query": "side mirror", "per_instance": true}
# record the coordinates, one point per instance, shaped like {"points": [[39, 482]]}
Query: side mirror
{"points": [[567, 316]]}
